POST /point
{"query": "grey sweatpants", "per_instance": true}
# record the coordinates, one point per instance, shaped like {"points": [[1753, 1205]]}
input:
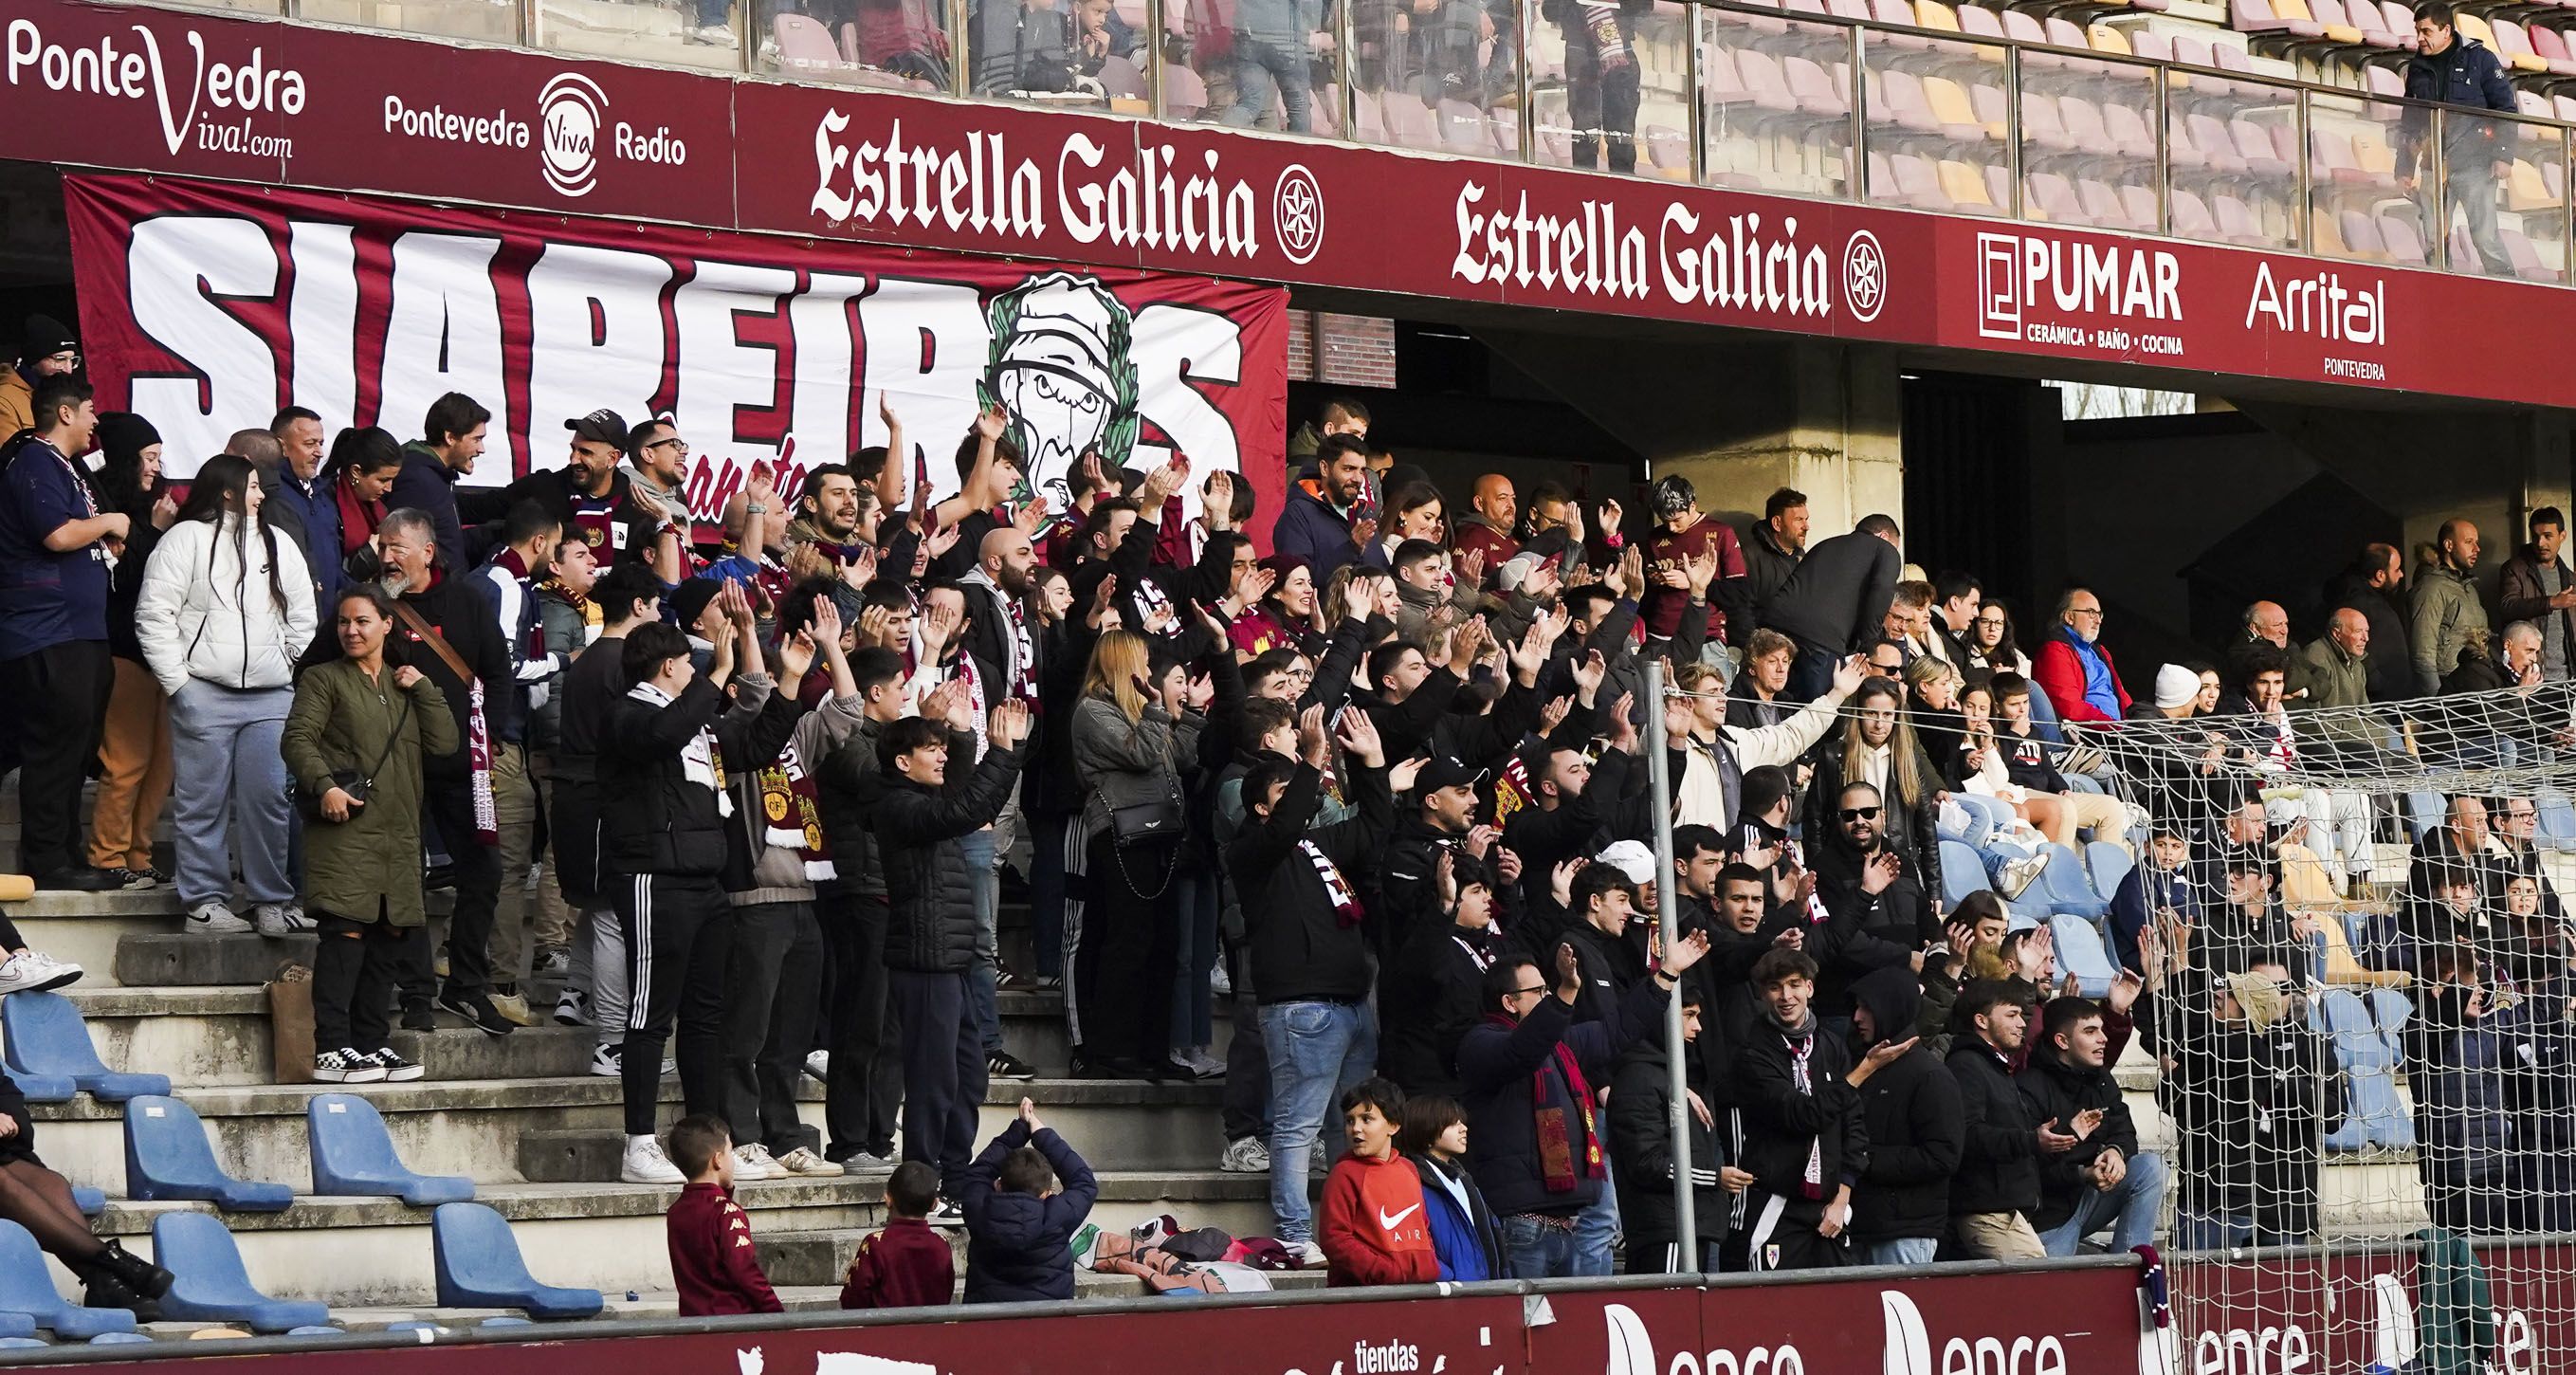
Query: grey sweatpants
{"points": [[228, 790]]}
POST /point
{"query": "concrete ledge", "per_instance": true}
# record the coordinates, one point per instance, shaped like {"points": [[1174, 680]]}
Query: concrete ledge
{"points": [[183, 959]]}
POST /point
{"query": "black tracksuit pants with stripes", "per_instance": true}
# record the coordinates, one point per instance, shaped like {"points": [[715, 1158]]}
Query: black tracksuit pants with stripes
{"points": [[679, 942]]}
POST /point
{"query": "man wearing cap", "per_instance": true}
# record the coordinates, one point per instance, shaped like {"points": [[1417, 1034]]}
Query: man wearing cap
{"points": [[1682, 537], [1443, 812], [588, 495], [48, 348]]}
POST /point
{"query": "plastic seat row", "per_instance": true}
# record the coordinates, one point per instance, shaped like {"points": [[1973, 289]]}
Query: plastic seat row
{"points": [[806, 48], [168, 1157], [2364, 1033]]}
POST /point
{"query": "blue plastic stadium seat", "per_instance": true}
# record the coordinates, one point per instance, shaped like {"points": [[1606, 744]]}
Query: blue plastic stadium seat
{"points": [[212, 1286], [1963, 872], [47, 1038], [168, 1159], [117, 1338], [353, 1155], [28, 1300], [91, 1202], [2424, 811], [505, 1321], [2369, 1056], [479, 1266], [18, 1343], [316, 1331], [2557, 821], [2080, 953], [2110, 865], [2062, 887]]}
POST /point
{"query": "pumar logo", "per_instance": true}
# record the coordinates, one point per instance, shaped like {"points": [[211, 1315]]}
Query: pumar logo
{"points": [[218, 90], [571, 110]]}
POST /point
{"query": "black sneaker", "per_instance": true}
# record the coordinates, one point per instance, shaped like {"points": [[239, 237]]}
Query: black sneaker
{"points": [[476, 1009], [1002, 1064], [396, 1068], [129, 881], [345, 1066], [417, 1017], [947, 1214]]}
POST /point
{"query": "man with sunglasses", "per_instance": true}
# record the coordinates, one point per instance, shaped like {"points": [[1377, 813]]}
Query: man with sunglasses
{"points": [[1878, 915]]}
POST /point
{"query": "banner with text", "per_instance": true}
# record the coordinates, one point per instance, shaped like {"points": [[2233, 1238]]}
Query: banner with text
{"points": [[206, 308]]}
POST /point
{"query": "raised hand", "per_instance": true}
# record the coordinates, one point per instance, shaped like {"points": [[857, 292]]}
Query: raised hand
{"points": [[1313, 745], [1010, 723], [1358, 734], [1444, 879], [1464, 642], [796, 654], [1553, 714], [1848, 675], [1880, 873], [827, 623], [1471, 568], [938, 542], [1589, 673], [938, 629], [1677, 719], [991, 424], [1507, 865], [1560, 881], [1216, 500], [1031, 516], [1401, 778], [1701, 569], [1480, 839], [1682, 954], [860, 569], [1200, 692]]}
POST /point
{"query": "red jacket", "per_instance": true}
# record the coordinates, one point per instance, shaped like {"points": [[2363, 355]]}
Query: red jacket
{"points": [[1371, 1226], [712, 1258], [905, 1266], [2062, 678]]}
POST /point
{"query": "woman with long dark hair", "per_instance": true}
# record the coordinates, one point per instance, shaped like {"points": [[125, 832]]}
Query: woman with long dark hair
{"points": [[225, 611], [134, 740]]}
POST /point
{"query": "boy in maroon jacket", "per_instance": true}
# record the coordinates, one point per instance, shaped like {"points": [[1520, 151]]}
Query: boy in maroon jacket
{"points": [[712, 1258], [907, 1265]]}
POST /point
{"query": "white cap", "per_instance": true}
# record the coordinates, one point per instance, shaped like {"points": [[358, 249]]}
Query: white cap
{"points": [[1631, 858]]}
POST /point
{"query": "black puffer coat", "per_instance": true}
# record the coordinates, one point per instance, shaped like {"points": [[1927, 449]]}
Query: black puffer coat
{"points": [[930, 924], [1999, 1172]]}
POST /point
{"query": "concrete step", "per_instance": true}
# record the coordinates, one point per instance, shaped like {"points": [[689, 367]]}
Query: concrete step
{"points": [[1236, 1204], [215, 1036], [473, 1127], [178, 959]]}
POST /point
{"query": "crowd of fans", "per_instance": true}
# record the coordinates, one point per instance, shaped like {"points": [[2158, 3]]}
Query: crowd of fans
{"points": [[1384, 791]]}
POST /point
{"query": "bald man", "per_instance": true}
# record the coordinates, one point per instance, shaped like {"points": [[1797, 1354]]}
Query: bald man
{"points": [[1487, 522], [1003, 643], [2337, 672], [2446, 611]]}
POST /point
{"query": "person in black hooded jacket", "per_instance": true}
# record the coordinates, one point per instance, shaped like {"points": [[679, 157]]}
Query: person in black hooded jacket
{"points": [[1804, 1142], [1997, 1186], [1432, 991], [931, 926], [1901, 1206], [1641, 1148], [1879, 914]]}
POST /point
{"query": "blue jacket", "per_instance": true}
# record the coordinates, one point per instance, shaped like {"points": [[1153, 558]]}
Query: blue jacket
{"points": [[426, 485], [1314, 532], [1506, 1069], [1019, 1248], [1467, 1239], [317, 514], [2134, 906], [2465, 74]]}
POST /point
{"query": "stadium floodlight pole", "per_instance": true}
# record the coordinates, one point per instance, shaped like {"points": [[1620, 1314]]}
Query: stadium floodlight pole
{"points": [[1668, 917]]}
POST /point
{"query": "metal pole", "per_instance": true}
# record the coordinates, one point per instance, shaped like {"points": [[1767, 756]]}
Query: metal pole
{"points": [[1668, 916]]}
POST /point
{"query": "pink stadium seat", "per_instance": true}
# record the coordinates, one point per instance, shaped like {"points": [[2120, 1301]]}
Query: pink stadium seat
{"points": [[2262, 156], [2216, 144], [2513, 47], [2046, 196], [2081, 120], [2403, 243], [1998, 186], [2366, 16], [2184, 154], [1462, 128], [2525, 259], [2064, 34], [2140, 202], [2257, 16], [1326, 110], [1849, 9], [1368, 120], [2235, 222], [1762, 78], [805, 46], [1880, 170], [1120, 80], [2361, 235], [2101, 204], [2552, 47], [1718, 83], [2191, 219], [1976, 21], [2566, 105], [2383, 81], [1408, 120], [1184, 91], [1817, 93], [1919, 183], [2128, 131], [1902, 103], [2043, 123]]}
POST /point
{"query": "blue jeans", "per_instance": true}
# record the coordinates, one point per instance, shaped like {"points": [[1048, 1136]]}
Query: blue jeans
{"points": [[1596, 1228], [2128, 1210], [1317, 1049], [1264, 63], [1901, 1251], [1193, 1006], [982, 1009], [1541, 1253]]}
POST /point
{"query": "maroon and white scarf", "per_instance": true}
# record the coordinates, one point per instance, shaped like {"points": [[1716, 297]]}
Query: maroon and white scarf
{"points": [[791, 813], [1346, 904], [1020, 655]]}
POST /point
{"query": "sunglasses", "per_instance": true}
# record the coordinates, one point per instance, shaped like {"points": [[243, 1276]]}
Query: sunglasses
{"points": [[1860, 813]]}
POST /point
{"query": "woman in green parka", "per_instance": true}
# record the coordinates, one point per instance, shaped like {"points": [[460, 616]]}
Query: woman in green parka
{"points": [[355, 740]]}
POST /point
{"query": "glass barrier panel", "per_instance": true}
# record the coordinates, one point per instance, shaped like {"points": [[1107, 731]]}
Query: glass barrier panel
{"points": [[894, 44], [658, 33], [2357, 207], [1607, 76], [1934, 132], [2233, 144], [2501, 217], [1030, 50], [479, 20], [1440, 75], [1775, 103], [1254, 64], [2088, 142]]}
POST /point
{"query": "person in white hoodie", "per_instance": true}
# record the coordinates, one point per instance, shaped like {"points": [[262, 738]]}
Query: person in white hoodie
{"points": [[226, 608]]}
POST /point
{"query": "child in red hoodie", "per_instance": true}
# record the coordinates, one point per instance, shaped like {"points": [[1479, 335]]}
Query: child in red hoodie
{"points": [[1371, 1226], [713, 1261], [907, 1265]]}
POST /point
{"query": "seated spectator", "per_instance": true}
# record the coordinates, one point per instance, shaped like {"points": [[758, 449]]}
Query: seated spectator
{"points": [[1372, 1225], [1485, 527], [2075, 669], [1876, 746], [1878, 904], [1753, 699], [2033, 764], [2273, 746], [2105, 1181], [904, 1264], [713, 1262], [1464, 1235], [1989, 647], [2517, 826], [2372, 587], [1908, 624], [1024, 1199], [1910, 1107], [1641, 1152], [1997, 1187]]}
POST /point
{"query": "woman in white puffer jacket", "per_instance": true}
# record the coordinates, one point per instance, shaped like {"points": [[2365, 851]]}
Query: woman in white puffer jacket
{"points": [[226, 608]]}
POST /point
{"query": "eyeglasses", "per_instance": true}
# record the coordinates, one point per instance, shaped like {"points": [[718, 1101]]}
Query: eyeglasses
{"points": [[1527, 992], [672, 440], [1860, 813], [2094, 612]]}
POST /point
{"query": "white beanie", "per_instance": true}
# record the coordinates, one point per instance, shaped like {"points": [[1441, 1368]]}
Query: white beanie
{"points": [[2176, 686], [1631, 858]]}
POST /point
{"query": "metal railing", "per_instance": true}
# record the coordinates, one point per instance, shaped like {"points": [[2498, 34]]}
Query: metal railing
{"points": [[1797, 102]]}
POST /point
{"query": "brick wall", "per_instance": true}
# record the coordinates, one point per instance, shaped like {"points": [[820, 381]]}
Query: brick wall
{"points": [[1343, 350]]}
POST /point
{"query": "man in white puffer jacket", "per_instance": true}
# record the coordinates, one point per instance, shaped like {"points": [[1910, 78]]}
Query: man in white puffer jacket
{"points": [[226, 608]]}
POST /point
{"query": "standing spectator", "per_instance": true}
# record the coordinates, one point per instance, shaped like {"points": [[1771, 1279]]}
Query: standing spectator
{"points": [[1372, 1227], [451, 440], [2105, 1181], [628, 597], [2445, 615], [1431, 991], [445, 630], [1329, 522], [1464, 1235], [2539, 587], [713, 1265], [2252, 1101], [1910, 1108], [46, 348], [2074, 668], [1997, 1186], [1958, 597], [2372, 586], [1641, 1148], [1836, 603], [1681, 537], [300, 502], [1310, 955], [1342, 415], [1135, 730], [2456, 1057], [571, 621], [226, 610], [863, 1078], [1538, 1150], [134, 743], [54, 662], [2448, 69], [1804, 1141], [364, 465], [508, 586], [1024, 1198], [1773, 547], [354, 743]]}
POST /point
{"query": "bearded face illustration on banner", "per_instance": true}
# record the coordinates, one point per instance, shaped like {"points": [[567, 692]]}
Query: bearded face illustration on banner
{"points": [[1060, 369]]}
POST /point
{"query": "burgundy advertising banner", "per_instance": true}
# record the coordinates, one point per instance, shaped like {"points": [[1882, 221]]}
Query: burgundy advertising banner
{"points": [[2357, 1311], [207, 307]]}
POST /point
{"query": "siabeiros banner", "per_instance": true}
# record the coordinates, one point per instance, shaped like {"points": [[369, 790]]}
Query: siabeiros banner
{"points": [[218, 305]]}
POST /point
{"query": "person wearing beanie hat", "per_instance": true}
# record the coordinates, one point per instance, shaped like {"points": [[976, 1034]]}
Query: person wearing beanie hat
{"points": [[134, 745], [2177, 691], [46, 347]]}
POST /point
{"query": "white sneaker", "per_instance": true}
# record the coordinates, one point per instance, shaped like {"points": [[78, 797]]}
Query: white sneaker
{"points": [[869, 1160], [573, 1008], [1307, 1254], [804, 1164], [346, 1066], [604, 1062], [1221, 982], [215, 919], [819, 1064], [276, 919], [55, 973], [752, 1162], [21, 974], [2019, 874], [717, 35], [1245, 1155], [646, 1164]]}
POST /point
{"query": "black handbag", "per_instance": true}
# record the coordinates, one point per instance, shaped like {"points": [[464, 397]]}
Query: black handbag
{"points": [[1142, 823], [357, 784]]}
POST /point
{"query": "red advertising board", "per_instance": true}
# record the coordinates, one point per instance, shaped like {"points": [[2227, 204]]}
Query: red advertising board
{"points": [[328, 109], [2363, 1309], [207, 307]]}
